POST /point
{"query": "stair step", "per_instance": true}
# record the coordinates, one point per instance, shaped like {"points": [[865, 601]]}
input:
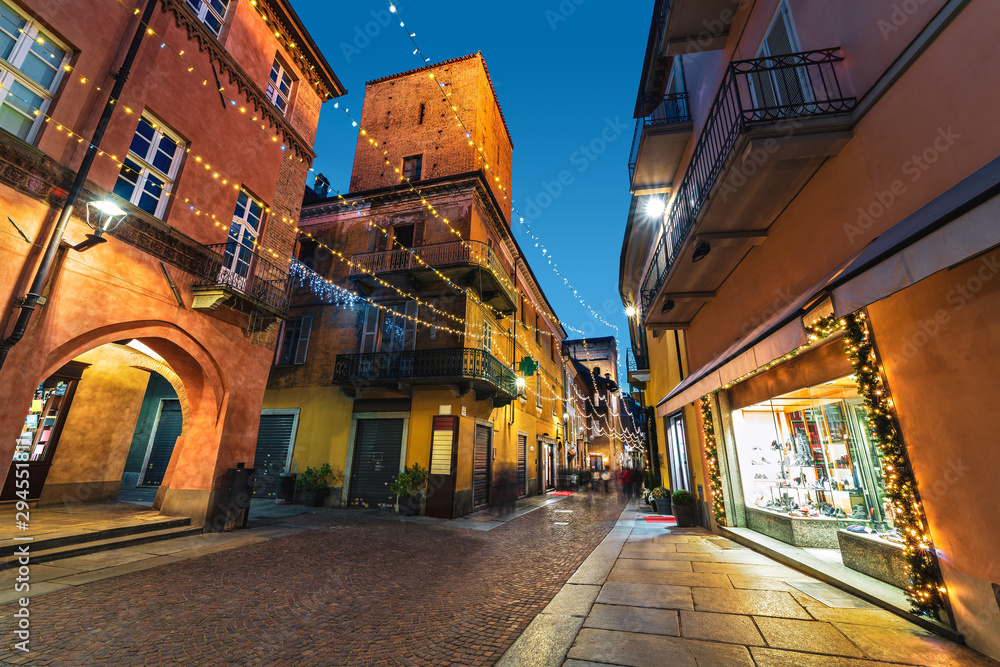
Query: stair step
{"points": [[95, 546], [43, 543]]}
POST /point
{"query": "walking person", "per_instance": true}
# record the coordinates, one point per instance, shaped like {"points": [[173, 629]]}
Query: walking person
{"points": [[606, 477], [627, 482]]}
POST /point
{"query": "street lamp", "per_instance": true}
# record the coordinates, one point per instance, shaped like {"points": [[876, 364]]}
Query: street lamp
{"points": [[520, 385], [630, 311], [103, 216]]}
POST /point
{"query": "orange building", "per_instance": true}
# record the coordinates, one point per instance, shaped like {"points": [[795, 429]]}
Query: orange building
{"points": [[416, 309], [818, 226], [205, 157]]}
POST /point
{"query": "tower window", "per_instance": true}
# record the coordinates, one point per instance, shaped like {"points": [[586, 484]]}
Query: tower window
{"points": [[421, 121], [411, 167]]}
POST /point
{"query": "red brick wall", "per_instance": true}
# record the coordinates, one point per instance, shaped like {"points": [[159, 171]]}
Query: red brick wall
{"points": [[391, 118]]}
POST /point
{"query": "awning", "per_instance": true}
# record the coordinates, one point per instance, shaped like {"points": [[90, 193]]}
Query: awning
{"points": [[776, 337], [958, 224]]}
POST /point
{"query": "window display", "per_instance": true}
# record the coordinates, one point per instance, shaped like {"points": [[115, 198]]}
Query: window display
{"points": [[808, 454]]}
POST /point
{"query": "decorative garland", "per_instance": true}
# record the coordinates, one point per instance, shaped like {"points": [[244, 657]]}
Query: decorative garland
{"points": [[926, 590], [320, 286], [712, 456]]}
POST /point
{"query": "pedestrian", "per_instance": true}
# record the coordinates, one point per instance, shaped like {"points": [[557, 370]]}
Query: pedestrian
{"points": [[595, 477], [627, 482], [606, 477], [637, 478]]}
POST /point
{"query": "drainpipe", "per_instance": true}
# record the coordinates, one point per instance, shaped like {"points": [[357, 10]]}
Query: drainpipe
{"points": [[34, 296]]}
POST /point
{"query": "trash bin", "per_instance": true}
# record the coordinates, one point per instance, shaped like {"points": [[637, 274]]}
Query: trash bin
{"points": [[286, 488], [240, 492]]}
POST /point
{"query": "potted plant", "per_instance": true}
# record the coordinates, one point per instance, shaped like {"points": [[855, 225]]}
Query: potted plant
{"points": [[409, 489], [661, 499], [684, 509], [314, 484]]}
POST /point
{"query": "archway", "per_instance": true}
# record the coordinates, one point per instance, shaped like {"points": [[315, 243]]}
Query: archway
{"points": [[114, 364]]}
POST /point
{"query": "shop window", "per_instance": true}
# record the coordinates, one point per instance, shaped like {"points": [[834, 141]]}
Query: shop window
{"points": [[538, 332], [148, 172], [279, 86], [412, 167], [680, 475], [294, 341], [809, 454], [30, 71], [210, 12]]}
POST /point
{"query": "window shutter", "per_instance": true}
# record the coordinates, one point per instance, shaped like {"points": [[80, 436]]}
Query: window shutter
{"points": [[281, 344], [779, 40], [369, 331], [410, 326], [381, 241], [302, 347], [418, 234]]}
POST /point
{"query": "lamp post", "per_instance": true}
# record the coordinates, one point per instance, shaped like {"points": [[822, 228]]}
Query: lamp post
{"points": [[34, 296]]}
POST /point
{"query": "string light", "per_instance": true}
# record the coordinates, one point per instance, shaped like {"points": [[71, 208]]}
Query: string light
{"points": [[926, 591]]}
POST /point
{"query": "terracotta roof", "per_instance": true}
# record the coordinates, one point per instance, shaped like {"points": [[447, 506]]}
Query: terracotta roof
{"points": [[477, 54]]}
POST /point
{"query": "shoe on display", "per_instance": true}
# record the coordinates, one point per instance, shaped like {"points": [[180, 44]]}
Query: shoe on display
{"points": [[856, 528]]}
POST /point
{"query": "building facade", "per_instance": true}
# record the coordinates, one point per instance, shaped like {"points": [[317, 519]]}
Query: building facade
{"points": [[417, 309], [169, 324], [822, 232]]}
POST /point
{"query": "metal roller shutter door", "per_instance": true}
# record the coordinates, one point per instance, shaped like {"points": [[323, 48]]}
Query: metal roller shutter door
{"points": [[481, 467], [169, 426], [273, 438], [377, 448], [522, 465]]}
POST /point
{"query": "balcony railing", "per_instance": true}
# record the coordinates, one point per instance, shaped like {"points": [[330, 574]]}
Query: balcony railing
{"points": [[671, 109], [763, 90], [437, 256], [636, 362], [239, 268], [415, 365]]}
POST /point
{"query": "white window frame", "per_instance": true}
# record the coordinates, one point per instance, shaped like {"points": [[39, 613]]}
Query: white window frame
{"points": [[205, 8], [273, 90], [239, 257], [538, 389], [487, 336], [10, 68], [297, 355], [146, 164]]}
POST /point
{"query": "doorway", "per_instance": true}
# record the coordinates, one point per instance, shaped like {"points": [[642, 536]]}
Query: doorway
{"points": [[377, 459]]}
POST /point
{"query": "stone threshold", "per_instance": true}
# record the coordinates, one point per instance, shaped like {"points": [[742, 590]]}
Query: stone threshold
{"points": [[867, 588]]}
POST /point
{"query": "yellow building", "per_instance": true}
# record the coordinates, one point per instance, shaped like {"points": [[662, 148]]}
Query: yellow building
{"points": [[416, 309]]}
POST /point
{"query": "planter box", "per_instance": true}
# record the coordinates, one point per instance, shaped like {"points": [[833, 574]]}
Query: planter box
{"points": [[878, 558], [661, 505], [686, 515], [797, 531]]}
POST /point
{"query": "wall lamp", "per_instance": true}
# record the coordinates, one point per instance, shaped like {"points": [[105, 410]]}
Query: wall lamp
{"points": [[103, 216], [668, 305], [700, 251]]}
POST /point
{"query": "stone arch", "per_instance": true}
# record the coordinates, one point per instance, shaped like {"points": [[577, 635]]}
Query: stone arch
{"points": [[195, 368], [148, 363]]}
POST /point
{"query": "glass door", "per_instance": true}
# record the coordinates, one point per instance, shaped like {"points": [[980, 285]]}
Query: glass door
{"points": [[242, 241]]}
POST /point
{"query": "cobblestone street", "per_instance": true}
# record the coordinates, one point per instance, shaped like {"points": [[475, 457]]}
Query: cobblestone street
{"points": [[350, 591]]}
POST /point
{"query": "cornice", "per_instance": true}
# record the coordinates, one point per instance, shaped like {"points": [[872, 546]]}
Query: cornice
{"points": [[208, 44]]}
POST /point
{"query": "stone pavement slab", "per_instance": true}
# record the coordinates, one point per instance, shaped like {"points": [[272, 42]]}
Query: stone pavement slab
{"points": [[573, 600], [726, 628], [810, 636], [719, 603], [633, 619], [646, 595]]}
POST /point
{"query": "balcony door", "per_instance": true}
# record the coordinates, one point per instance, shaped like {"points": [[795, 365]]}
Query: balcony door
{"points": [[242, 242], [389, 330], [782, 91]]}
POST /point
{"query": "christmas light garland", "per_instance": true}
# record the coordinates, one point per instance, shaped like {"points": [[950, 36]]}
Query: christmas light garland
{"points": [[926, 590], [712, 458]]}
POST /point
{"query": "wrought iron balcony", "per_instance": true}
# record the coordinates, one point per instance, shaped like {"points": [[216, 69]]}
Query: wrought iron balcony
{"points": [[451, 259], [638, 368], [666, 111], [469, 368], [777, 92], [234, 273]]}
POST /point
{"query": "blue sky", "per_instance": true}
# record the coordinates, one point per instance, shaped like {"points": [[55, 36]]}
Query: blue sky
{"points": [[565, 72]]}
